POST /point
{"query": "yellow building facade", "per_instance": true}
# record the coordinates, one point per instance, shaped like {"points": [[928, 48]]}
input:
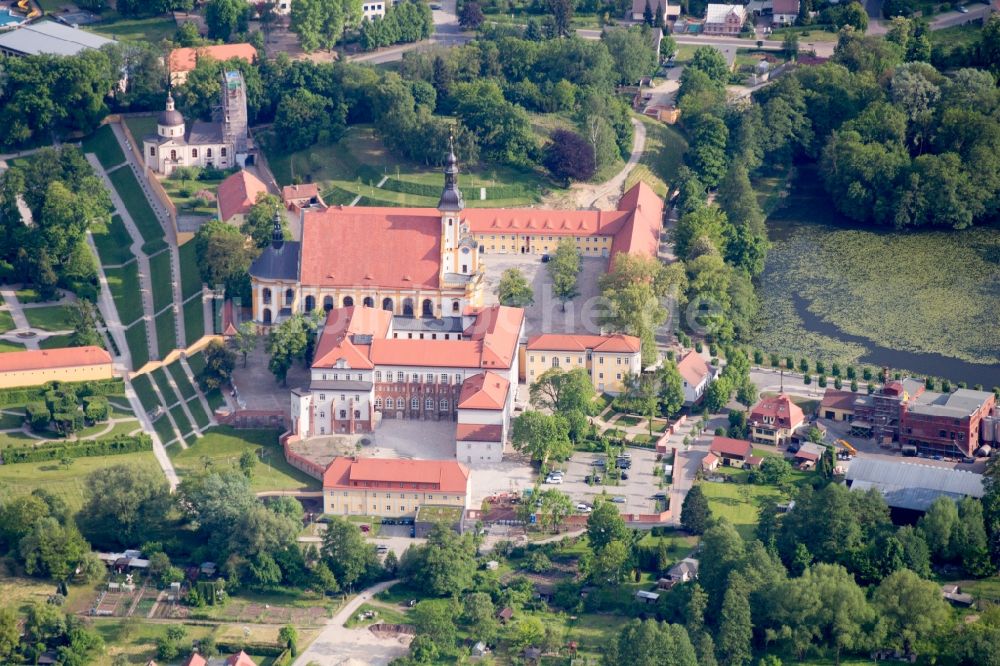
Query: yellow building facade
{"points": [[37, 367], [607, 358], [393, 487]]}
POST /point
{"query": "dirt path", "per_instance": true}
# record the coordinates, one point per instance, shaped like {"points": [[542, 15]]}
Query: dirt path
{"points": [[602, 196]]}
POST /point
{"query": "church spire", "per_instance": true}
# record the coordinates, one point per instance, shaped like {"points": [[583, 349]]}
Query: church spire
{"points": [[451, 196], [277, 233]]}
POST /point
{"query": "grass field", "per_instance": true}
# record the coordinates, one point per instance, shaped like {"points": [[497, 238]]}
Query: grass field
{"points": [[124, 285], [113, 243], [141, 126], [105, 146], [67, 482], [160, 276], [56, 341], [194, 320], [959, 35], [6, 321], [180, 378], [190, 275], [159, 377], [182, 421], [54, 318], [144, 389], [727, 501], [198, 412], [151, 30], [6, 346], [807, 34], [357, 162], [664, 154], [182, 193], [224, 445], [166, 333], [138, 207], [164, 429], [138, 347]]}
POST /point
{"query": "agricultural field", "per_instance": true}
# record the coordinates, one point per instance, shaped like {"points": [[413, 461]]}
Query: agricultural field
{"points": [[359, 161], [845, 293]]}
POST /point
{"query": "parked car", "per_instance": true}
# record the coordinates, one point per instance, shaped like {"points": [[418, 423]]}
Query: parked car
{"points": [[624, 476], [592, 478], [554, 480], [584, 508], [382, 549], [545, 258], [962, 9], [601, 463], [618, 499]]}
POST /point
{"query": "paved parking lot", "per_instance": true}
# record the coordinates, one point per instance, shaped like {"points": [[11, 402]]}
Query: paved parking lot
{"points": [[638, 490]]}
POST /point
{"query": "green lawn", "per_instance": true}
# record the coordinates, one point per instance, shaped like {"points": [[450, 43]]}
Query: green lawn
{"points": [[11, 421], [359, 160], [664, 154], [139, 642], [960, 35], [806, 35], [138, 207], [180, 378], [197, 363], [105, 146], [726, 502], [67, 483], [6, 321], [224, 445], [164, 429], [184, 194], [113, 243], [194, 320], [215, 399], [140, 126], [6, 346], [166, 333], [160, 276], [150, 30], [160, 378], [190, 275], [54, 318], [56, 342], [143, 386], [182, 421], [124, 285], [138, 347], [201, 418]]}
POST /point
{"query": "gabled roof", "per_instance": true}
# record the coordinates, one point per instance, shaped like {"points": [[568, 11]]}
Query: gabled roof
{"points": [[617, 343], [780, 408], [693, 368], [835, 399], [730, 447], [912, 486], [639, 6], [348, 335], [186, 59], [785, 6], [238, 193], [444, 475], [240, 659], [477, 432], [48, 359], [718, 13], [487, 390], [384, 247], [195, 660]]}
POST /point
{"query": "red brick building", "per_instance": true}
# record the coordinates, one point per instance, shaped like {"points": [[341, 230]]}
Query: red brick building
{"points": [[946, 424]]}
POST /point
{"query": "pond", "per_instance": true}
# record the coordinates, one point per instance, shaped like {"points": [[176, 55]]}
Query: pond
{"points": [[927, 302]]}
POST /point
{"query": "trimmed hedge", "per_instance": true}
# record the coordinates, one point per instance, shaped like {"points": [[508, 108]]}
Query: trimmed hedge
{"points": [[85, 449], [406, 187], [262, 649], [17, 396]]}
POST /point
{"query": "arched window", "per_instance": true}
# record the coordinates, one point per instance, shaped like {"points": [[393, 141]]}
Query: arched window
{"points": [[267, 315], [369, 302], [173, 155], [267, 296], [223, 151], [208, 152], [414, 403], [389, 403], [289, 297], [328, 303], [444, 405], [194, 152], [427, 309], [348, 301], [387, 304], [378, 403], [455, 306], [310, 303], [408, 307], [429, 403]]}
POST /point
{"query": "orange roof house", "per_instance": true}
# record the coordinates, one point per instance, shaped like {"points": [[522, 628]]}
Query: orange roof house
{"points": [[69, 364], [240, 659], [617, 343], [486, 390], [773, 419], [237, 195], [728, 448], [182, 61], [446, 476], [195, 660], [697, 374]]}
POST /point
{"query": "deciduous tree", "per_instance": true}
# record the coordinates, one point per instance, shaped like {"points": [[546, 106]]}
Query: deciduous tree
{"points": [[513, 289]]}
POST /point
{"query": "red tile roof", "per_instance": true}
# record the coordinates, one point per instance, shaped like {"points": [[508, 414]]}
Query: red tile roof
{"points": [[835, 399], [195, 660], [727, 446], [641, 232], [238, 193], [785, 7], [603, 343], [693, 368], [475, 432], [385, 247], [780, 410], [709, 459], [48, 359], [487, 390], [339, 340], [185, 59], [240, 659], [444, 475], [303, 192]]}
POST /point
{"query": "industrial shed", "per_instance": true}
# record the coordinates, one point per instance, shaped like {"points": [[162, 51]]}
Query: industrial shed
{"points": [[912, 486]]}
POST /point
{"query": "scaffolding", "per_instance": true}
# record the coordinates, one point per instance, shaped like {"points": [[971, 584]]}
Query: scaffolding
{"points": [[235, 128]]}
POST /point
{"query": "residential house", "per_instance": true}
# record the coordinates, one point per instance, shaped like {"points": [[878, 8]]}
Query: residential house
{"points": [[710, 462], [731, 451], [684, 571], [670, 12], [240, 659], [811, 452], [784, 12], [483, 418], [837, 405], [773, 420], [237, 194], [393, 487], [725, 19], [697, 374], [607, 358], [195, 660], [34, 367], [375, 9]]}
